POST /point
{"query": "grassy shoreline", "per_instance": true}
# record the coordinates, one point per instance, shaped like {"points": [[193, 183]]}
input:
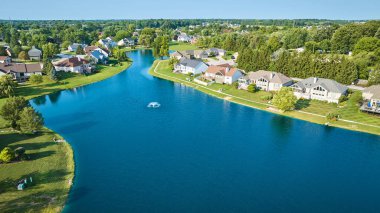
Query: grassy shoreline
{"points": [[52, 164], [247, 100]]}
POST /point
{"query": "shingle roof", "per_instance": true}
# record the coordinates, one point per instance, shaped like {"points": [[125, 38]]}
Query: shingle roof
{"points": [[273, 77], [70, 62], [21, 68], [374, 90], [224, 69], [328, 84], [34, 52], [189, 62]]}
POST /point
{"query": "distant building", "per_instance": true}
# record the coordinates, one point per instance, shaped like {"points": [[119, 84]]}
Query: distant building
{"points": [[216, 52], [190, 54], [223, 74], [5, 59], [183, 37], [98, 56], [319, 89], [35, 54], [265, 80], [74, 47], [126, 42], [107, 43], [371, 96]]}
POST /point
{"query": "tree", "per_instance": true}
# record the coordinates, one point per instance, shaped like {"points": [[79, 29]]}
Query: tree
{"points": [[374, 76], [7, 86], [274, 43], [295, 38], [35, 79], [367, 44], [23, 56], [173, 62], [251, 88], [285, 100], [80, 50], [66, 44], [30, 120], [49, 50], [7, 155], [120, 54], [12, 109], [312, 46]]}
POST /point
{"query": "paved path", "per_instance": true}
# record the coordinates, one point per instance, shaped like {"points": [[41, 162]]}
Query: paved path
{"points": [[236, 97]]}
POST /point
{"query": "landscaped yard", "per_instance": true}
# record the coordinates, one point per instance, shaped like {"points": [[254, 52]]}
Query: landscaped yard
{"points": [[348, 110], [176, 46], [51, 167]]}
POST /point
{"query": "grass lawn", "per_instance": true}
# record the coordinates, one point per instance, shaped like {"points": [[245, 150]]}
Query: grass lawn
{"points": [[348, 110], [179, 46], [51, 166]]}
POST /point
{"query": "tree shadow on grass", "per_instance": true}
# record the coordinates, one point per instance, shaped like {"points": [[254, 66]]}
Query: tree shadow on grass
{"points": [[302, 104], [40, 155]]}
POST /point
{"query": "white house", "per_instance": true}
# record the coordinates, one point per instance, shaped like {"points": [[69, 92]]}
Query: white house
{"points": [[126, 42], [189, 54], [216, 52], [186, 66], [75, 64], [371, 95], [183, 37], [34, 54], [265, 80], [107, 43], [319, 89], [223, 74], [73, 47], [99, 57]]}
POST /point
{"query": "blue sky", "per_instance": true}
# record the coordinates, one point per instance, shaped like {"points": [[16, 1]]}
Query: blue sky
{"points": [[144, 9]]}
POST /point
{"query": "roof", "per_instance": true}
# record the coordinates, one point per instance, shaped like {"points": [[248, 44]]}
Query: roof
{"points": [[98, 55], [71, 62], [272, 77], [89, 49], [34, 52], [328, 84], [3, 58], [21, 68], [190, 63], [76, 45], [224, 69], [215, 50], [374, 90]]}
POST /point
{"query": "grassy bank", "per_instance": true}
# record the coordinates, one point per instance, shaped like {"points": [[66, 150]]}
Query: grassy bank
{"points": [[51, 164], [309, 110], [179, 46]]}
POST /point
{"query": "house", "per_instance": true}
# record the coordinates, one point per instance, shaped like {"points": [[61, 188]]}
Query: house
{"points": [[190, 54], [74, 64], [216, 52], [265, 80], [126, 42], [223, 74], [35, 54], [73, 47], [319, 89], [20, 72], [187, 66], [108, 43], [183, 37], [98, 56], [371, 96], [89, 49], [5, 59]]}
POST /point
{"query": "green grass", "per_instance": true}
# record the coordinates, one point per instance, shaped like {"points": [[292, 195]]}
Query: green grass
{"points": [[51, 166], [348, 110], [176, 46]]}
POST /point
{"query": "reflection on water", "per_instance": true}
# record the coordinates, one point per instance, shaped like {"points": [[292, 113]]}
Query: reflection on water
{"points": [[39, 100], [54, 97]]}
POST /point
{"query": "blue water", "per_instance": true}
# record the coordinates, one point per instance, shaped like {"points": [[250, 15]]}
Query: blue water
{"points": [[197, 153]]}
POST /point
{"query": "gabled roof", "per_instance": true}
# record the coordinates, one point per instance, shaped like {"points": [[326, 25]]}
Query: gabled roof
{"points": [[374, 90], [20, 68], [70, 62], [328, 84], [98, 55], [272, 77], [190, 63], [223, 69]]}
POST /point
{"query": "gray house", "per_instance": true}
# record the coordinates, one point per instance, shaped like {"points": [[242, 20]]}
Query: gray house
{"points": [[319, 89], [35, 54]]}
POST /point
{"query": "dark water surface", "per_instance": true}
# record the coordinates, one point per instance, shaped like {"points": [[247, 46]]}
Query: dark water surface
{"points": [[197, 153]]}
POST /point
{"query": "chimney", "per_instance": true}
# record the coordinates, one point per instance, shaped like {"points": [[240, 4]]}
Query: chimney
{"points": [[227, 69], [315, 80], [271, 75]]}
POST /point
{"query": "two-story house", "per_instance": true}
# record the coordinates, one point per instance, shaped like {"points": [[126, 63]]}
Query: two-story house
{"points": [[265, 80], [223, 74], [186, 66]]}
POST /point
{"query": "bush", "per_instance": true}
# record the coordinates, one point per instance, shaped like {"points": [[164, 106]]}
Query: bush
{"points": [[285, 100], [235, 85], [332, 116], [343, 98], [36, 79], [7, 155], [267, 97], [252, 88]]}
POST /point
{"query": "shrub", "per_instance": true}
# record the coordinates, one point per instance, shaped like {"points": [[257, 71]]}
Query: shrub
{"points": [[252, 88], [267, 97], [285, 100], [332, 116], [20, 153], [343, 98], [7, 155], [35, 79]]}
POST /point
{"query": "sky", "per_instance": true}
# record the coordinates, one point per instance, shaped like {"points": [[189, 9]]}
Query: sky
{"points": [[176, 9]]}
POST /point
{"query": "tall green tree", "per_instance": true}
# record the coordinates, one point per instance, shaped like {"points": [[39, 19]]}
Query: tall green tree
{"points": [[30, 120], [284, 99], [7, 86], [11, 110]]}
